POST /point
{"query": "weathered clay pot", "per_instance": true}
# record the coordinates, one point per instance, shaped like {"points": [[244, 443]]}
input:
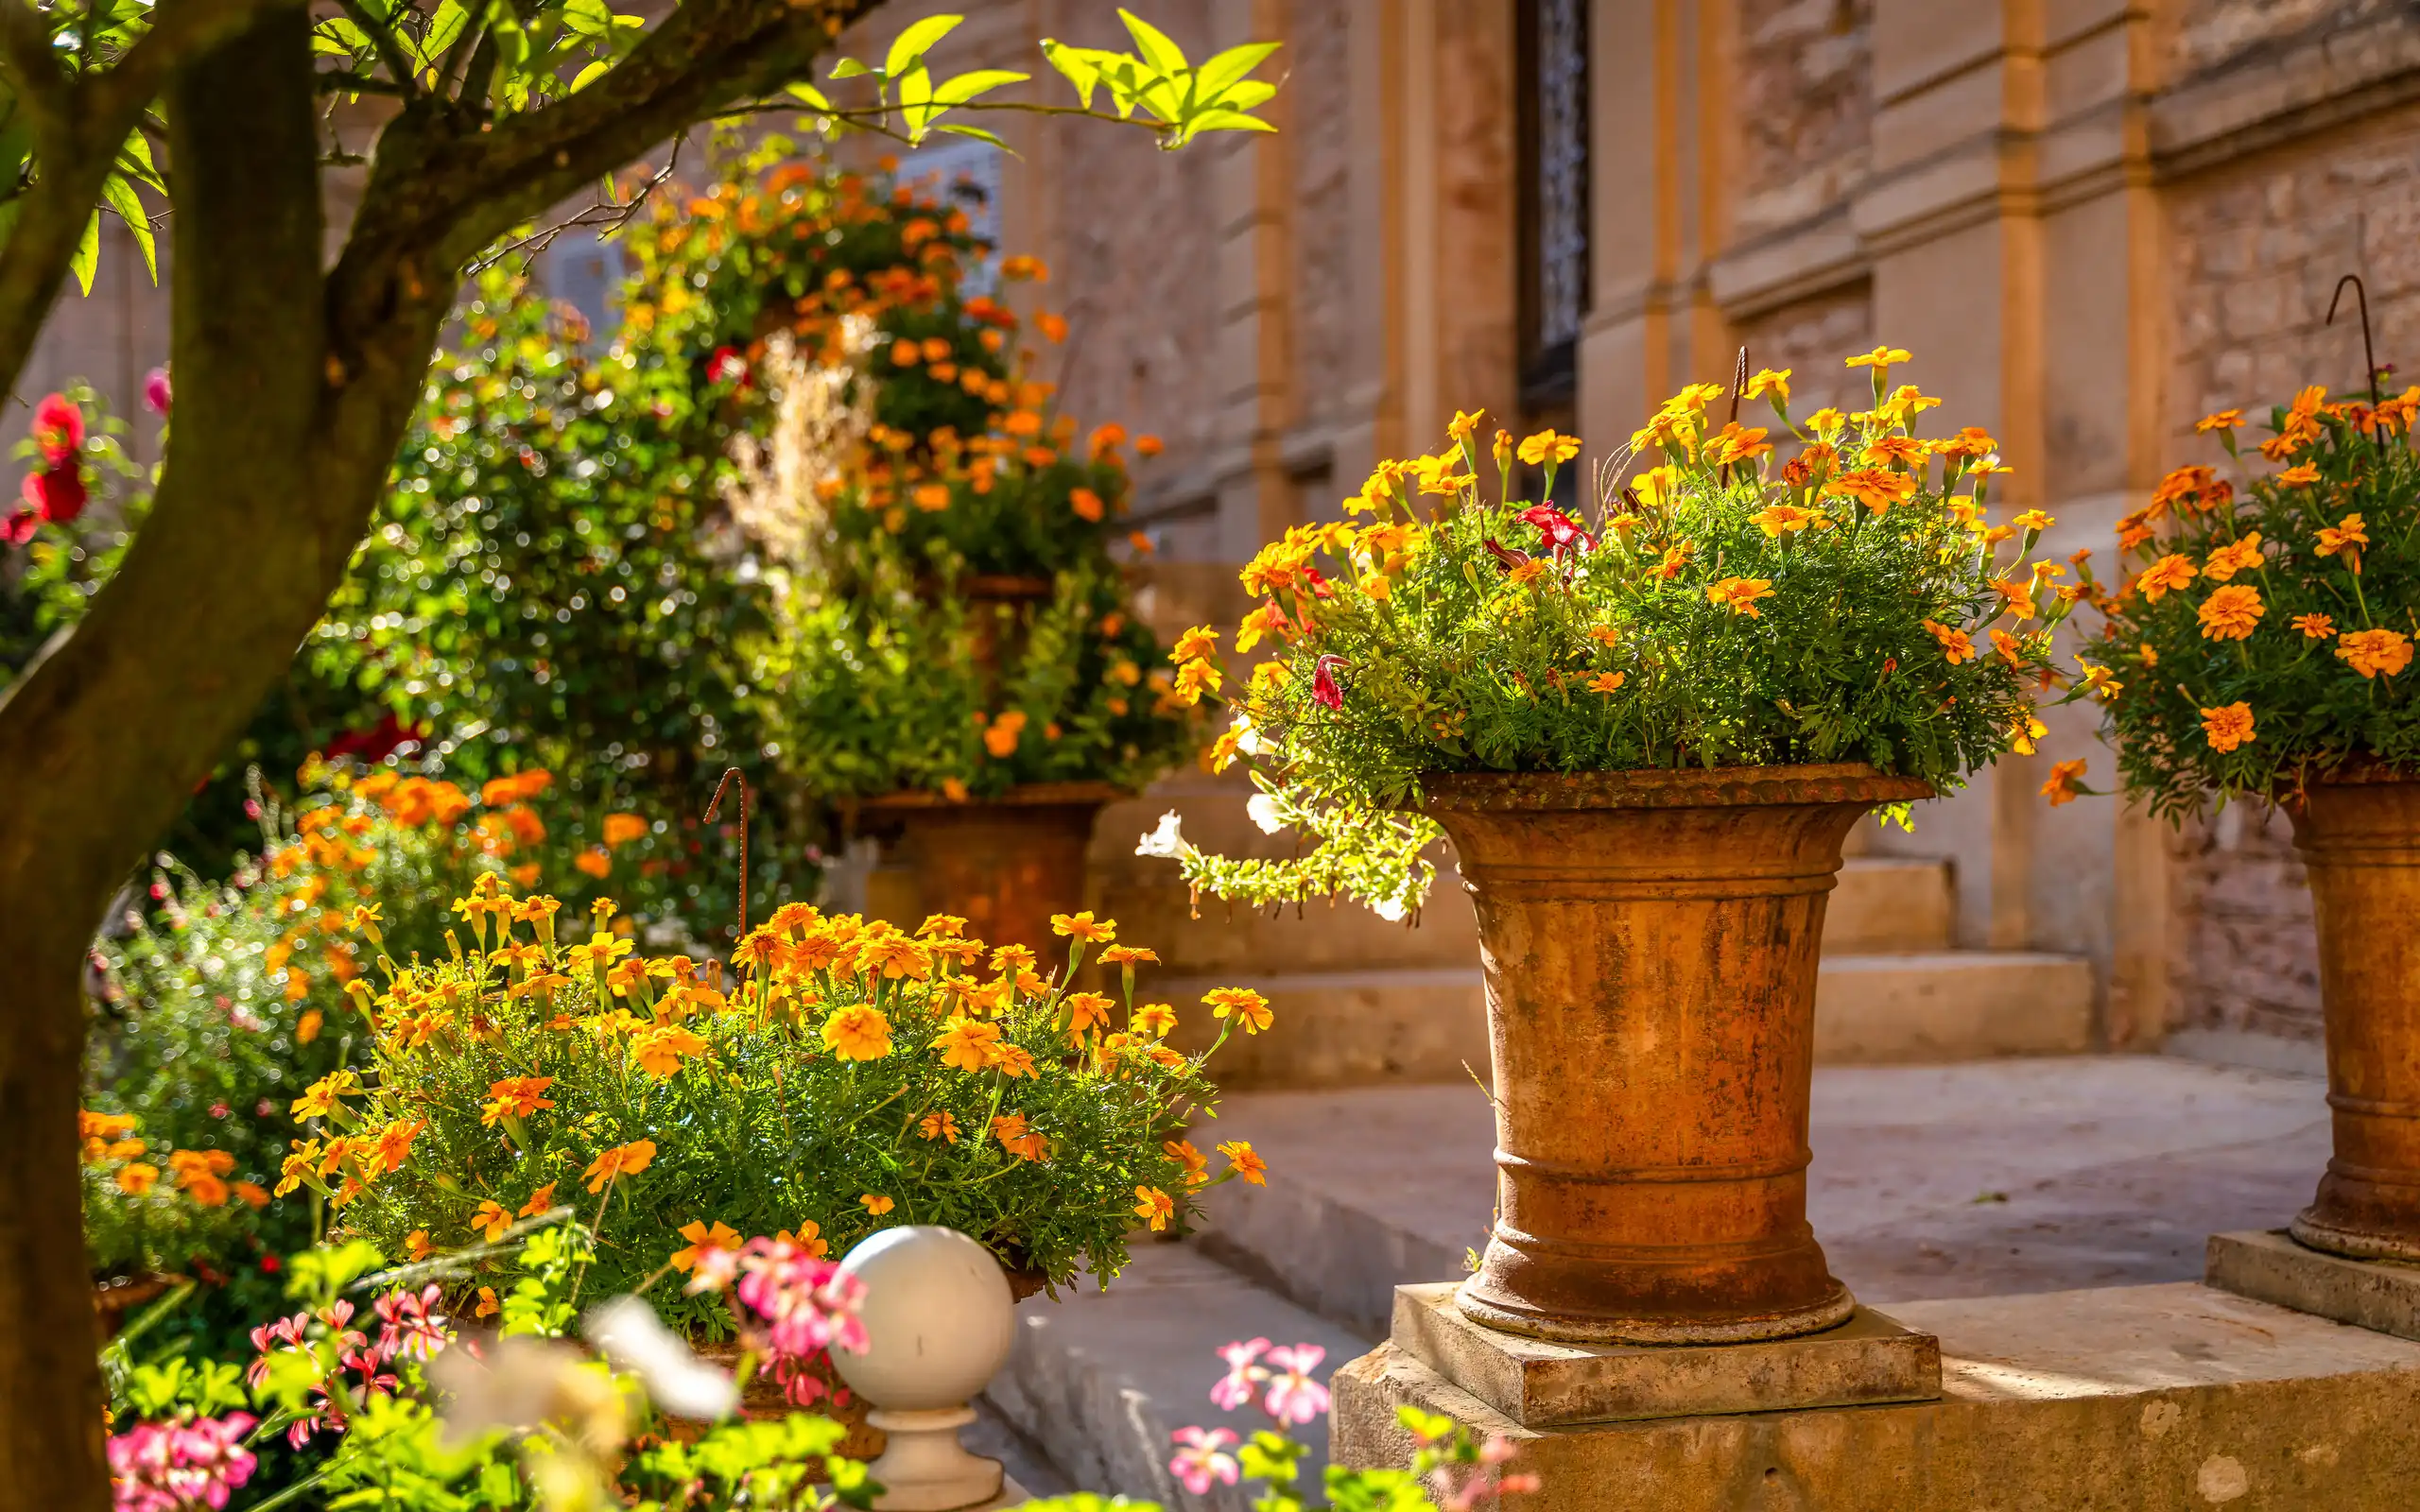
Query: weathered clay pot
{"points": [[1004, 864], [2359, 841], [1650, 940]]}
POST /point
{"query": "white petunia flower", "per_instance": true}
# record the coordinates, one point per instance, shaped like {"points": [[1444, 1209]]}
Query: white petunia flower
{"points": [[1168, 841]]}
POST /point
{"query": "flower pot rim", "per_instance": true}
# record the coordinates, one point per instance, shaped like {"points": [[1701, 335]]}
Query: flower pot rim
{"points": [[1666, 788], [1024, 794]]}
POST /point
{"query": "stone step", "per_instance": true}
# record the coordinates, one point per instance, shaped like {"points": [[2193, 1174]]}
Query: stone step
{"points": [[1886, 904], [1361, 1027], [1101, 1379], [1927, 1181]]}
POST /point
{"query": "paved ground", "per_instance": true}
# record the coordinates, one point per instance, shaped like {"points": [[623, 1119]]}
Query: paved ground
{"points": [[1928, 1181]]}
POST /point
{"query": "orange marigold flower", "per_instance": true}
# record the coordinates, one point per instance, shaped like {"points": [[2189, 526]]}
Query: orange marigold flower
{"points": [[1246, 1161], [540, 1201], [2227, 726], [1547, 445], [941, 1125], [623, 1159], [876, 1203], [1086, 504], [515, 1097], [1607, 681], [1248, 1007], [1196, 1165], [2346, 535], [1740, 594], [2299, 476], [1081, 926], [2061, 788], [2231, 612], [2225, 419], [621, 829], [702, 1241], [1154, 1207], [1088, 1011], [1880, 357], [2237, 557], [2315, 627], [857, 1032], [2170, 572], [1875, 488], [2371, 652], [491, 1220], [1956, 645]]}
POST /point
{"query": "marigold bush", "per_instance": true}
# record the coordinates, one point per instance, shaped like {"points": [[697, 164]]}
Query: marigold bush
{"points": [[2263, 641], [849, 1077], [1720, 607]]}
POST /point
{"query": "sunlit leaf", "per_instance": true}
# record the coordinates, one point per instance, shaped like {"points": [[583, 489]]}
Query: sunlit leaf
{"points": [[1078, 64], [590, 74], [849, 68], [809, 95], [119, 196], [1218, 73], [916, 41], [1164, 55], [88, 253], [965, 87]]}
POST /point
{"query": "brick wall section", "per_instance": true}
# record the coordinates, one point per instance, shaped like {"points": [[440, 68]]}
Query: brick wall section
{"points": [[1813, 338], [2208, 34], [2241, 956], [1804, 107]]}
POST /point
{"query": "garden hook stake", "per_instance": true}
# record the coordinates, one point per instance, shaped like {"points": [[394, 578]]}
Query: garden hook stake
{"points": [[2369, 354], [731, 775]]}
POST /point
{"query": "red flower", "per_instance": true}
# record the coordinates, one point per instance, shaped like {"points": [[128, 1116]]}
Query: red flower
{"points": [[57, 495], [1323, 686], [1319, 583], [58, 429], [1506, 557], [1561, 531], [727, 366], [19, 527], [156, 390]]}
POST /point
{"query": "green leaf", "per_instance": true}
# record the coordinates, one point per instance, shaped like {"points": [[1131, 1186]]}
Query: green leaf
{"points": [[88, 253], [119, 196], [443, 28], [1217, 121], [590, 74], [1242, 96], [134, 161], [978, 133], [1078, 64], [965, 87], [1164, 55], [589, 18], [1230, 66], [916, 41], [809, 95], [849, 68]]}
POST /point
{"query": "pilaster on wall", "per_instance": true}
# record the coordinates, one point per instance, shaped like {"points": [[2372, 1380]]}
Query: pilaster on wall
{"points": [[1254, 353]]}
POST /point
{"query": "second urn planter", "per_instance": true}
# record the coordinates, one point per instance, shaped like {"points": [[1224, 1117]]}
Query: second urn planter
{"points": [[1650, 942], [1005, 865], [2360, 840]]}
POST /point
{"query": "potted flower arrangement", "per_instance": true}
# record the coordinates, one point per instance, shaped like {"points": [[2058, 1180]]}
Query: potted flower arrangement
{"points": [[955, 663], [1647, 731], [847, 1077], [2263, 646]]}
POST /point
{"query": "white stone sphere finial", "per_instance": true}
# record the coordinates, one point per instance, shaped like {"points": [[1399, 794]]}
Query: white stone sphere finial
{"points": [[940, 1322]]}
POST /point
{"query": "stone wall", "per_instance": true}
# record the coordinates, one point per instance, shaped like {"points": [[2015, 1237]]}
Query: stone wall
{"points": [[2210, 34], [1804, 108], [1319, 142], [2257, 247], [1813, 338]]}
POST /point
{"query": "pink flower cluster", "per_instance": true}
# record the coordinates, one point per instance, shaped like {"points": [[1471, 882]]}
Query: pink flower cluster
{"points": [[1292, 1396], [410, 1331], [799, 1307], [174, 1467]]}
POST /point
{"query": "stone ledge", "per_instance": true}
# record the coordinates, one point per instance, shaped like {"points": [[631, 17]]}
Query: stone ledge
{"points": [[2273, 94], [2151, 1399], [2269, 1267], [1867, 1360]]}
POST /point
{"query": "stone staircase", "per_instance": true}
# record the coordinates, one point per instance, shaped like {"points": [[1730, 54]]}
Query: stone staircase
{"points": [[1359, 1001], [1929, 1181]]}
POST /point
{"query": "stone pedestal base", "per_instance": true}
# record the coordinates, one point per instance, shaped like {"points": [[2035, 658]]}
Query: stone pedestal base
{"points": [[2270, 1266], [2153, 1399], [1541, 1384]]}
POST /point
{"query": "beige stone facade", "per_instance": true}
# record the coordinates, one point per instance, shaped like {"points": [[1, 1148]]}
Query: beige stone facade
{"points": [[2092, 220]]}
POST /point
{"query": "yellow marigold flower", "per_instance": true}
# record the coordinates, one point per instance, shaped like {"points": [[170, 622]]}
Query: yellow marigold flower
{"points": [[2231, 612], [2371, 652], [1248, 1007], [623, 1159], [1088, 1011], [660, 1051], [857, 1032], [2061, 788], [1826, 421], [1736, 443], [2235, 556], [1081, 926], [1463, 425], [1740, 594], [1606, 682], [875, 1204], [491, 1220], [967, 1044], [2024, 732], [320, 1099], [1783, 520], [1153, 1206], [2227, 726], [2033, 520], [2170, 572], [1875, 488], [2315, 627], [1547, 445], [2345, 534], [1675, 558], [1956, 645], [2225, 419], [489, 1306], [1775, 382], [1200, 641], [1246, 1161], [942, 926], [1154, 1019], [1881, 357], [892, 955], [704, 1241], [137, 1178], [1012, 1060], [940, 1125], [1898, 451], [2099, 680]]}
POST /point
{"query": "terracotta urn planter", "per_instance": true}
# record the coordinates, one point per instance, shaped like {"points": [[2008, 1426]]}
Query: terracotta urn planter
{"points": [[2360, 840], [1650, 940], [1004, 864]]}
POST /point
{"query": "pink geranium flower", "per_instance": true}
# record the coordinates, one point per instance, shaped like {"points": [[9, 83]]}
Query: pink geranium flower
{"points": [[1242, 1376], [1293, 1396], [413, 1330], [1204, 1458], [177, 1467]]}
